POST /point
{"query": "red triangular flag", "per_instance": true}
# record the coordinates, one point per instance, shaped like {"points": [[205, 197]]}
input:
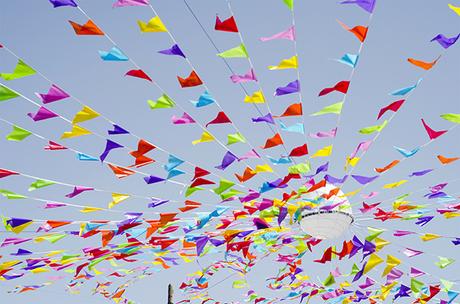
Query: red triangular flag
{"points": [[394, 106], [138, 74], [220, 119], [432, 133], [5, 173], [200, 173], [299, 151], [54, 146], [341, 87], [121, 172], [192, 80], [201, 181], [327, 256], [274, 141], [228, 25], [143, 147]]}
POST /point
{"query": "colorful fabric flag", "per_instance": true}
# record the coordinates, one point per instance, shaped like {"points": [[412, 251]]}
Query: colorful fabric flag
{"points": [[349, 59], [454, 8], [288, 34], [367, 5], [394, 106], [85, 157], [235, 138], [359, 31], [18, 134], [432, 134], [174, 50], [295, 128], [138, 74], [154, 25], [192, 80], [289, 4], [75, 132], [266, 118], [444, 41], [221, 118], [123, 3], [228, 25], [299, 151], [363, 180], [59, 3], [447, 160], [6, 93], [236, 52], [323, 152], [89, 28], [204, 100], [324, 134], [405, 91], [163, 102], [422, 64], [109, 146], [335, 108], [117, 130], [290, 63], [227, 160], [249, 76], [42, 114], [294, 109], [85, 114], [256, 97], [184, 119], [341, 87], [153, 179], [373, 129], [77, 190], [274, 141], [115, 54], [21, 70], [407, 153], [455, 118], [205, 137], [290, 88], [54, 94]]}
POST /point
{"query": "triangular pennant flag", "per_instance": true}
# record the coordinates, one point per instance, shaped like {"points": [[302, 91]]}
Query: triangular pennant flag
{"points": [[256, 97], [138, 74], [117, 198], [335, 108], [122, 3], [228, 25], [205, 137], [221, 118], [294, 109], [432, 134], [422, 64], [249, 76], [394, 107], [235, 138], [455, 118], [21, 70], [42, 114], [152, 26], [7, 93], [40, 183], [274, 141], [359, 31], [163, 102], [204, 100], [341, 87], [236, 52], [18, 134], [120, 172], [373, 129], [54, 94], [115, 54], [290, 63], [174, 50], [192, 80], [75, 132], [89, 28], [288, 34], [85, 114], [109, 146]]}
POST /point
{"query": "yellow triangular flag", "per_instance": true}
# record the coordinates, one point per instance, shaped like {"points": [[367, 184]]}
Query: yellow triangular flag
{"points": [[455, 9], [326, 151], [290, 63], [429, 236], [256, 97], [392, 262], [395, 185], [85, 114], [263, 168], [90, 209], [117, 198], [75, 132], [373, 261], [154, 25], [205, 137]]}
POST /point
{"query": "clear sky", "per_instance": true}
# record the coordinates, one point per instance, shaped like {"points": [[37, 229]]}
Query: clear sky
{"points": [[43, 37]]}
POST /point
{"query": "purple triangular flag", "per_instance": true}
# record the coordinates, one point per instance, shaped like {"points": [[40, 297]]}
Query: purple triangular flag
{"points": [[54, 94], [249, 76], [42, 114], [117, 130], [59, 3], [444, 41], [77, 190], [292, 87], [364, 179], [174, 50], [153, 179], [266, 118], [228, 159], [367, 5], [109, 146]]}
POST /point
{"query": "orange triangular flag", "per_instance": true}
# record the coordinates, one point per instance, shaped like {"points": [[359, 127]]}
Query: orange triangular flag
{"points": [[294, 109], [89, 28], [422, 64], [387, 167], [191, 81], [359, 31], [447, 160], [247, 175], [121, 172], [274, 141]]}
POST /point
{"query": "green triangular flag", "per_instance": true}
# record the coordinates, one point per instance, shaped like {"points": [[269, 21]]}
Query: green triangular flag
{"points": [[329, 280], [335, 108], [455, 118], [354, 269], [301, 168], [230, 193], [40, 183], [7, 93], [235, 138], [18, 134], [416, 285], [191, 190], [236, 52], [290, 4], [223, 186], [21, 70], [11, 195], [164, 102], [372, 129], [373, 233], [444, 262]]}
